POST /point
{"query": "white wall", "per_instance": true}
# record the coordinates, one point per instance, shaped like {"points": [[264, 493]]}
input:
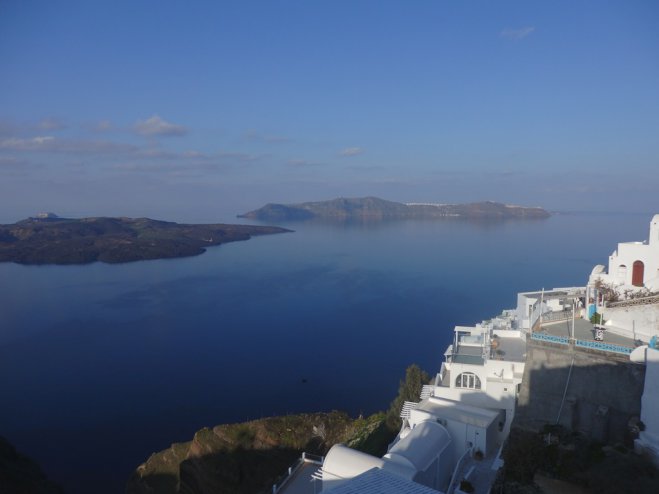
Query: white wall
{"points": [[640, 322], [628, 252]]}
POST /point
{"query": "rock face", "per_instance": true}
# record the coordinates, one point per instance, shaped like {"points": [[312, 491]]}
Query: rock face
{"points": [[53, 240], [248, 457], [373, 208], [603, 391], [19, 474]]}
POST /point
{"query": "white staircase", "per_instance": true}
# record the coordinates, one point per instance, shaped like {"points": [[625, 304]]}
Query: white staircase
{"points": [[407, 406], [426, 391]]}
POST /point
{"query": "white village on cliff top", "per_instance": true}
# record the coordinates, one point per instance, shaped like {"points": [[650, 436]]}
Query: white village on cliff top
{"points": [[454, 435]]}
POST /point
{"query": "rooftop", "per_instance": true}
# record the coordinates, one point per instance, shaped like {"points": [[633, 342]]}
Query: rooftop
{"points": [[584, 330], [458, 411], [379, 481], [510, 348]]}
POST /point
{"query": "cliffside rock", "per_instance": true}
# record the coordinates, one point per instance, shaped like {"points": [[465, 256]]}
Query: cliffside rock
{"points": [[20, 474], [250, 456]]}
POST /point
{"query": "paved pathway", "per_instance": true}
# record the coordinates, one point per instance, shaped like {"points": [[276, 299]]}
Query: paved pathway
{"points": [[583, 330]]}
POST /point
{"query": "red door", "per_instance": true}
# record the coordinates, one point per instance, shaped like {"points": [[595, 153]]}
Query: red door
{"points": [[637, 274]]}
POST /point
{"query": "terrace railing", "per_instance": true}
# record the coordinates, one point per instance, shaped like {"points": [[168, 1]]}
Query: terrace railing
{"points": [[305, 458], [589, 344], [634, 301], [562, 340], [557, 315], [604, 347]]}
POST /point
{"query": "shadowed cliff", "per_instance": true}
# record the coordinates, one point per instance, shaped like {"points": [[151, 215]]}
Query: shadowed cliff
{"points": [[575, 423], [249, 457], [20, 474]]}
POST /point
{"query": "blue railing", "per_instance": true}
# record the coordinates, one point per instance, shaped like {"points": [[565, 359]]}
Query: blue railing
{"points": [[562, 340], [594, 345], [605, 347]]}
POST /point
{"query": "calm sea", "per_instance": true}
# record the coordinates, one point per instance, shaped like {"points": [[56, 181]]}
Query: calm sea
{"points": [[101, 365]]}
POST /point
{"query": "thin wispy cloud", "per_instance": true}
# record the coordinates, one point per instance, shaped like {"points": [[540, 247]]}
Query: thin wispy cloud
{"points": [[241, 157], [163, 154], [352, 151], [366, 168], [504, 173], [168, 167], [155, 126], [29, 144], [303, 164], [7, 128], [254, 136], [55, 145], [517, 34], [103, 126], [11, 162], [51, 123]]}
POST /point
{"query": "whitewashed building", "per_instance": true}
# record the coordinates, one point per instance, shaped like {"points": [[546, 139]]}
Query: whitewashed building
{"points": [[424, 456], [484, 367], [465, 414], [633, 264]]}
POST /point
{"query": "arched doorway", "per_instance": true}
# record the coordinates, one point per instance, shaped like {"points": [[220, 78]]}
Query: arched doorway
{"points": [[622, 273], [637, 273]]}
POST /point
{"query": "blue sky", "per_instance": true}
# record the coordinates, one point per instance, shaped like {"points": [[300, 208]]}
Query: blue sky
{"points": [[198, 111]]}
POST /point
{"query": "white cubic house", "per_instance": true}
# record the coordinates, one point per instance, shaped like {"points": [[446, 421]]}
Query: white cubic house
{"points": [[633, 264]]}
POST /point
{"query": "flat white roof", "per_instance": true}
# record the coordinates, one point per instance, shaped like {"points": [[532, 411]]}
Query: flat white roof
{"points": [[378, 481], [457, 411]]}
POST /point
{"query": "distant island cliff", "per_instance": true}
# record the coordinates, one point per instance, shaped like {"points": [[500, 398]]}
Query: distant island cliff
{"points": [[48, 239], [373, 208]]}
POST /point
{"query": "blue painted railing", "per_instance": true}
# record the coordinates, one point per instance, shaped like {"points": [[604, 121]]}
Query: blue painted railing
{"points": [[605, 347], [562, 340]]}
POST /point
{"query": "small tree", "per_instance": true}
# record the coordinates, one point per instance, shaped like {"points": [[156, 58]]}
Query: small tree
{"points": [[409, 390]]}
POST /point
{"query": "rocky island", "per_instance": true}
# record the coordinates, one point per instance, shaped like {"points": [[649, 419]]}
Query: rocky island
{"points": [[48, 239], [373, 208]]}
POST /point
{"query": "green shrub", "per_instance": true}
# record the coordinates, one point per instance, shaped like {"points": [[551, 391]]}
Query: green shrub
{"points": [[409, 390]]}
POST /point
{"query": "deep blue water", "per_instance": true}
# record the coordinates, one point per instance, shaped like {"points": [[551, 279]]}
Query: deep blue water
{"points": [[101, 365]]}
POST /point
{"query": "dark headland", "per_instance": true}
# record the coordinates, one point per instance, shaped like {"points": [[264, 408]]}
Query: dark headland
{"points": [[373, 208], [48, 239]]}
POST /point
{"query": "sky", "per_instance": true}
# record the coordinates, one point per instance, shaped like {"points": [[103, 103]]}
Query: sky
{"points": [[199, 111]]}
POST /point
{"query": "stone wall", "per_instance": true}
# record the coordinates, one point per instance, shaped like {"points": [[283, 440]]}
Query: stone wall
{"points": [[603, 393]]}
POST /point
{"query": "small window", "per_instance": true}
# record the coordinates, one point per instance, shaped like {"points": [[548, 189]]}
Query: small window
{"points": [[468, 380]]}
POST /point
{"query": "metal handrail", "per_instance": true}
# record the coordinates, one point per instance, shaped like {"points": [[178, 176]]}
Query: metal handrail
{"points": [[305, 458], [558, 315], [458, 468]]}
